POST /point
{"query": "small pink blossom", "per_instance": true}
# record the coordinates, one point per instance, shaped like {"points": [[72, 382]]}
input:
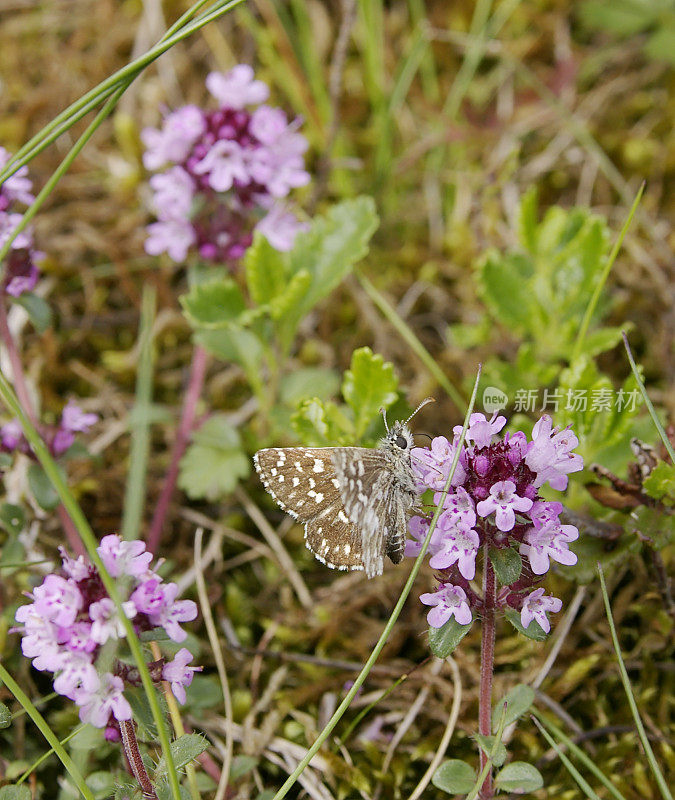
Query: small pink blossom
{"points": [[237, 88], [460, 546], [76, 673], [75, 420], [448, 601], [172, 236], [481, 430], [418, 528], [224, 164], [549, 454], [535, 607], [124, 558], [173, 143], [550, 541], [504, 501], [179, 674], [106, 623], [18, 187], [57, 600], [96, 707], [280, 228], [11, 435], [173, 612]]}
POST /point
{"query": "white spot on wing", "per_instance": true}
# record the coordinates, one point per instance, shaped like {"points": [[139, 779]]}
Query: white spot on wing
{"points": [[318, 465]]}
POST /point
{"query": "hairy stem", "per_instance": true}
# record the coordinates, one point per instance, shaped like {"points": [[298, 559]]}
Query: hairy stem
{"points": [[187, 420], [487, 662], [134, 759]]}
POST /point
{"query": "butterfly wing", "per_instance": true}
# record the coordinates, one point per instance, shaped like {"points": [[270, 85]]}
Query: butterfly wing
{"points": [[334, 540]]}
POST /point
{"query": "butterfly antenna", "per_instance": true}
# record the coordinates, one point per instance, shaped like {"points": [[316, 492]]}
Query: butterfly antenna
{"points": [[383, 411], [424, 402]]}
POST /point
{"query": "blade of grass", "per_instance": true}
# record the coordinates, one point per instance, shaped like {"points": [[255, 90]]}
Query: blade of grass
{"points": [[361, 677], [579, 753], [46, 755], [134, 495], [47, 732], [656, 772], [593, 302], [89, 540], [418, 17], [408, 336], [648, 402], [569, 766]]}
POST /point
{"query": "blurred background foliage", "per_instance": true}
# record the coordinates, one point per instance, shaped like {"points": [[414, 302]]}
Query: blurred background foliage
{"points": [[502, 144]]}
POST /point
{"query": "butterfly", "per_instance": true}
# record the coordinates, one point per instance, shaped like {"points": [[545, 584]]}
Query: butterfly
{"points": [[353, 501]]}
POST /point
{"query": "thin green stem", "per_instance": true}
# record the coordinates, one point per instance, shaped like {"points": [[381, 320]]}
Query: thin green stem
{"points": [[579, 753], [408, 336], [361, 677], [134, 497], [648, 402], [46, 755], [87, 535], [656, 772], [593, 302], [47, 732]]}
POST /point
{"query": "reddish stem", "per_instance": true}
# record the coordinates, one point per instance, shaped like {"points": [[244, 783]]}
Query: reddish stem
{"points": [[188, 413], [487, 663], [23, 395], [135, 760]]}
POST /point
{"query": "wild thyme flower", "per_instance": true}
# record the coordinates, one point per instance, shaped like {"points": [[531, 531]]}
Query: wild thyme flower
{"points": [[493, 504], [58, 438], [71, 617], [21, 267], [226, 172]]}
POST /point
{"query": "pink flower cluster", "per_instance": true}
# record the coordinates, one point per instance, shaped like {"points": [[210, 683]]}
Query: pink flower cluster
{"points": [[58, 438], [72, 617], [494, 501], [226, 172], [21, 271]]}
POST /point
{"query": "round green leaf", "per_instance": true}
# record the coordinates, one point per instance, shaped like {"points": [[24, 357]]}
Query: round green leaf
{"points": [[507, 563], [5, 716], [518, 700], [487, 744], [454, 777], [519, 777], [44, 493], [20, 792], [442, 641]]}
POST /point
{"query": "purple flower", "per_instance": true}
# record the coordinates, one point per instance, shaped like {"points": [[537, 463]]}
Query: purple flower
{"points": [[535, 607], [459, 507], [57, 600], [172, 612], [432, 466], [481, 430], [280, 228], [75, 568], [172, 236], [268, 124], [17, 187], [22, 273], [97, 706], [174, 190], [237, 88], [149, 598], [124, 558], [224, 164], [8, 224], [418, 528], [40, 639], [448, 601], [76, 673], [550, 456], [550, 541], [460, 546], [77, 637], [11, 435], [174, 141], [106, 623], [504, 502], [179, 674]]}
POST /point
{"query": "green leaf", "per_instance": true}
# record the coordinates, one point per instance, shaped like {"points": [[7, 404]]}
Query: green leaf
{"points": [[603, 339], [533, 630], [622, 17], [5, 716], [44, 493], [165, 792], [241, 765], [184, 750], [291, 298], [519, 777], [20, 792], [369, 385], [661, 44], [102, 784], [528, 220], [487, 743], [442, 641], [518, 700], [309, 382], [507, 564], [12, 518], [454, 777], [331, 247], [660, 483], [38, 310], [320, 423], [265, 271], [505, 290], [240, 346], [215, 462], [214, 304]]}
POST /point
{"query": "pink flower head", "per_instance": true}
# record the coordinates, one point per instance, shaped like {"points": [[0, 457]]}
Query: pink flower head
{"points": [[550, 456], [76, 673], [535, 607], [179, 674], [75, 420], [550, 541], [418, 528], [106, 623], [17, 187], [57, 600], [97, 706], [174, 190], [481, 430], [124, 558], [11, 435], [172, 236], [280, 228], [23, 274], [448, 601], [458, 507], [76, 568], [224, 164], [504, 501], [8, 224], [268, 124], [460, 546], [149, 596], [173, 612], [237, 88], [40, 639], [174, 141], [432, 465]]}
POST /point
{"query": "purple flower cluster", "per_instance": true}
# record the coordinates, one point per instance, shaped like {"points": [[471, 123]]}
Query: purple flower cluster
{"points": [[72, 617], [493, 504], [21, 271], [58, 438], [226, 172]]}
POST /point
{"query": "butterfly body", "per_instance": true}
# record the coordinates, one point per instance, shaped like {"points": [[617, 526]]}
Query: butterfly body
{"points": [[354, 501]]}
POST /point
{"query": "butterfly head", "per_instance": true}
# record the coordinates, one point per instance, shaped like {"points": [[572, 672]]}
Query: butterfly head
{"points": [[399, 439]]}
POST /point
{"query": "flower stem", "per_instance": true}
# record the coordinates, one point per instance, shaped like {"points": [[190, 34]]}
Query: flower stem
{"points": [[135, 759], [487, 663], [188, 413]]}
